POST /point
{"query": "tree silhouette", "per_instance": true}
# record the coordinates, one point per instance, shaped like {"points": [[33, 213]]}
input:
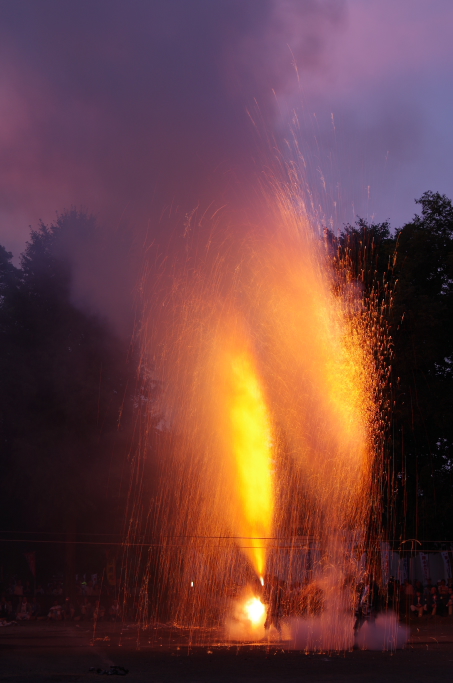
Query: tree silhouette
{"points": [[64, 381], [415, 263]]}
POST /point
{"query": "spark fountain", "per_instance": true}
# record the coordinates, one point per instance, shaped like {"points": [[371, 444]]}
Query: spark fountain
{"points": [[266, 359]]}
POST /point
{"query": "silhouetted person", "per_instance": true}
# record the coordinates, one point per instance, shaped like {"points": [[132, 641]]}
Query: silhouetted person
{"points": [[275, 606], [24, 609]]}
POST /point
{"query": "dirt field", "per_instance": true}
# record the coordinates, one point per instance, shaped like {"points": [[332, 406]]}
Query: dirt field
{"points": [[43, 651]]}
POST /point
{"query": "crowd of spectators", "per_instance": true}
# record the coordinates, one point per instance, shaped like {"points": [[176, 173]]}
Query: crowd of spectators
{"points": [[422, 600], [91, 601], [407, 598]]}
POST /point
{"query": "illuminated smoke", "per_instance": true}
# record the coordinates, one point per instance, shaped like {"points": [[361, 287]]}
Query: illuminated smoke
{"points": [[266, 358]]}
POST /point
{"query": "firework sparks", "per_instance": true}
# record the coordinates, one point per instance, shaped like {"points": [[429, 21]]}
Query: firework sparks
{"points": [[269, 384]]}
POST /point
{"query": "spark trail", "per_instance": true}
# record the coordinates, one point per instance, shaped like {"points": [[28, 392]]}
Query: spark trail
{"points": [[266, 356]]}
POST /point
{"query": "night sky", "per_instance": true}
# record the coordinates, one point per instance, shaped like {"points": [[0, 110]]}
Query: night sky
{"points": [[134, 109]]}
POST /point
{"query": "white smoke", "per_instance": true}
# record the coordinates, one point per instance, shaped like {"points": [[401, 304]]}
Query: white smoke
{"points": [[320, 634], [386, 633]]}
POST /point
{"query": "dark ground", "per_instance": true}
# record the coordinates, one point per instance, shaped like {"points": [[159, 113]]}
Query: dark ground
{"points": [[42, 652]]}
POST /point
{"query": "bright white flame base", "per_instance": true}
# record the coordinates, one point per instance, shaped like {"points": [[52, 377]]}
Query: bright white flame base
{"points": [[255, 611], [247, 619]]}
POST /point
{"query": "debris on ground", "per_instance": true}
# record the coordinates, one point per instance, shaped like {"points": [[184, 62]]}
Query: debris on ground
{"points": [[112, 671]]}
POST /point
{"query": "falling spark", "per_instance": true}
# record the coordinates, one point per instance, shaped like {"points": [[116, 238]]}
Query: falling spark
{"points": [[268, 363]]}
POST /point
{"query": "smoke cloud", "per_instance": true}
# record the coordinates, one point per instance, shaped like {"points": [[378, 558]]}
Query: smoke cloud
{"points": [[138, 112]]}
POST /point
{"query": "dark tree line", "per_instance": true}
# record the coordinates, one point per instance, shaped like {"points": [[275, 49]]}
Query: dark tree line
{"points": [[414, 267], [65, 398]]}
